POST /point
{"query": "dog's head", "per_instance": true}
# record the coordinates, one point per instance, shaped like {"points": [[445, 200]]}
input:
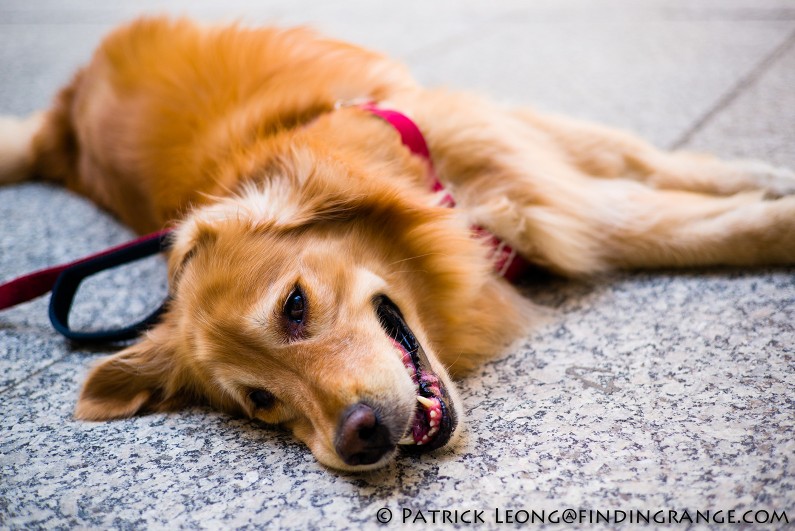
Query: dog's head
{"points": [[332, 314]]}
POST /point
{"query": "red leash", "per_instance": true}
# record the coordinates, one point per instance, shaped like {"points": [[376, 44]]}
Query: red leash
{"points": [[32, 285], [64, 279]]}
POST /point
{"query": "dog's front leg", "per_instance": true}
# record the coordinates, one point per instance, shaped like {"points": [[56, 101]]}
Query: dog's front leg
{"points": [[605, 152], [524, 184]]}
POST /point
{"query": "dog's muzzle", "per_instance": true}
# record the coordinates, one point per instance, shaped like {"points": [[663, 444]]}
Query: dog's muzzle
{"points": [[364, 437]]}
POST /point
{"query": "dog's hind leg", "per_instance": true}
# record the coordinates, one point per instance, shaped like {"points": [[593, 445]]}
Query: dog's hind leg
{"points": [[43, 145], [16, 147]]}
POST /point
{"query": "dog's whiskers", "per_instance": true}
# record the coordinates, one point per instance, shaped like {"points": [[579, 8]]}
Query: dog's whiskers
{"points": [[413, 258]]}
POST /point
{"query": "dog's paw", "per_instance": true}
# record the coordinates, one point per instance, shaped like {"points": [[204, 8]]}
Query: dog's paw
{"points": [[776, 181]]}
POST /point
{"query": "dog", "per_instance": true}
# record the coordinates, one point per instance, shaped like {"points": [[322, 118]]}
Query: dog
{"points": [[315, 281]]}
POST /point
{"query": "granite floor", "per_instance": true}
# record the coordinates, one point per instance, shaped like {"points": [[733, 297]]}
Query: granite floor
{"points": [[654, 391]]}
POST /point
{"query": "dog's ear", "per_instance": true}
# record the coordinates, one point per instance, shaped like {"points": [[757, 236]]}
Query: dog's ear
{"points": [[186, 241], [141, 377]]}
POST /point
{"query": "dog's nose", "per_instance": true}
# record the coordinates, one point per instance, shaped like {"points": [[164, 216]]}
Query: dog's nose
{"points": [[361, 438]]}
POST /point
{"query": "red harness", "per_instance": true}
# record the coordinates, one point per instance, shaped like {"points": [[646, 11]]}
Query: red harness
{"points": [[64, 279], [507, 262]]}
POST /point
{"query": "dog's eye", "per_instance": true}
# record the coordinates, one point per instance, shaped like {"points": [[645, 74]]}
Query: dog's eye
{"points": [[295, 306], [262, 399]]}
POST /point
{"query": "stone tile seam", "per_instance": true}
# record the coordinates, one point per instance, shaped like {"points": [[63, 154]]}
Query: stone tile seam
{"points": [[735, 91]]}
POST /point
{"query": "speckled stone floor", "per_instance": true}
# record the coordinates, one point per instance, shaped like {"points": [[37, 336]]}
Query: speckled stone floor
{"points": [[654, 391]]}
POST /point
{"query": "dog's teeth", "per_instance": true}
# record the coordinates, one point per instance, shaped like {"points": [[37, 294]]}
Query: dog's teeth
{"points": [[424, 438], [432, 432], [419, 443], [433, 423], [408, 439], [433, 414], [427, 402]]}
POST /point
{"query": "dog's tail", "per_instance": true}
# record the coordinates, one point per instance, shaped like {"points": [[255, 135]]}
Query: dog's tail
{"points": [[43, 145], [17, 152]]}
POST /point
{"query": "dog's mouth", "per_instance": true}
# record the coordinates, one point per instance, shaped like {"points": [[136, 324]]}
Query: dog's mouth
{"points": [[434, 417]]}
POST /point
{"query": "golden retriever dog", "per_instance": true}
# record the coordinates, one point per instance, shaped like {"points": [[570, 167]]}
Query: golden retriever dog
{"points": [[316, 283]]}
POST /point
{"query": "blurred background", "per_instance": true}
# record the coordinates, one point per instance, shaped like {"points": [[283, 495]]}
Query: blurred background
{"points": [[659, 67]]}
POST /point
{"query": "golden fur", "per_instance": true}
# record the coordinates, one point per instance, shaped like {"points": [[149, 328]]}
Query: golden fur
{"points": [[232, 135]]}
